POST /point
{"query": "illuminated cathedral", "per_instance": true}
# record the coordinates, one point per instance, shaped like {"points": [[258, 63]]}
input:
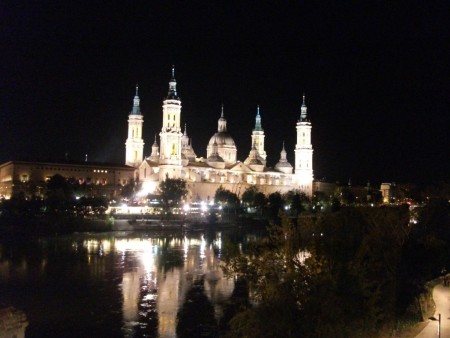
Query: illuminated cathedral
{"points": [[174, 156]]}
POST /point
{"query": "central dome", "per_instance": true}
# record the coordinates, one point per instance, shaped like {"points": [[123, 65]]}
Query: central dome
{"points": [[222, 142], [222, 138]]}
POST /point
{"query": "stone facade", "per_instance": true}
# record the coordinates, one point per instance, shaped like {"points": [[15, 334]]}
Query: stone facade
{"points": [[175, 158]]}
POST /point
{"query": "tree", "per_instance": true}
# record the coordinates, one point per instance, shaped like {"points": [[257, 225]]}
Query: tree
{"points": [[226, 197], [347, 196], [275, 202], [354, 261], [297, 201], [172, 191], [260, 201], [59, 194], [248, 197], [276, 279], [129, 189]]}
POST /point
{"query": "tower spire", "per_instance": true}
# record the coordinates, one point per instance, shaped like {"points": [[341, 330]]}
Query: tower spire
{"points": [[303, 110], [136, 102], [222, 123], [172, 95], [258, 126]]}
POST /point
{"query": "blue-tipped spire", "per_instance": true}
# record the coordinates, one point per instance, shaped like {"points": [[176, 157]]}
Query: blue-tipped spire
{"points": [[258, 126], [303, 110], [136, 109], [172, 95]]}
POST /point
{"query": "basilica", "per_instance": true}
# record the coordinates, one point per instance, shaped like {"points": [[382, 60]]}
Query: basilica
{"points": [[174, 156]]}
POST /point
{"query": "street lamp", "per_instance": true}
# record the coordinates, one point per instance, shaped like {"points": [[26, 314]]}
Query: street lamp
{"points": [[439, 323]]}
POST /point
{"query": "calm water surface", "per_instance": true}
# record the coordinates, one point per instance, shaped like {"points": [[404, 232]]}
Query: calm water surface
{"points": [[121, 284]]}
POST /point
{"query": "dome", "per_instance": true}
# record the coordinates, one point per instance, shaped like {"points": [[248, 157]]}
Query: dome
{"points": [[222, 139], [283, 165], [215, 158], [254, 161]]}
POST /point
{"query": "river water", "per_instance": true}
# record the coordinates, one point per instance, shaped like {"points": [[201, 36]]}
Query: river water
{"points": [[118, 284]]}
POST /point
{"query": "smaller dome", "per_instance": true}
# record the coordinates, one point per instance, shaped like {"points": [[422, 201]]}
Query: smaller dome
{"points": [[283, 165], [254, 161], [215, 158]]}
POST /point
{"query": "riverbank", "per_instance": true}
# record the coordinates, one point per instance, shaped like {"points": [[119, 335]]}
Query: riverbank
{"points": [[52, 225]]}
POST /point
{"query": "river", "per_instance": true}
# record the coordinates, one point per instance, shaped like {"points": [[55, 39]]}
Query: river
{"points": [[116, 284]]}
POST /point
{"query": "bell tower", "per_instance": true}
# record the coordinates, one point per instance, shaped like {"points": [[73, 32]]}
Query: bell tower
{"points": [[304, 152], [134, 145], [258, 137], [171, 135]]}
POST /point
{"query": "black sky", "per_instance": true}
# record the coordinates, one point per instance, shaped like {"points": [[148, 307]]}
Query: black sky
{"points": [[376, 77]]}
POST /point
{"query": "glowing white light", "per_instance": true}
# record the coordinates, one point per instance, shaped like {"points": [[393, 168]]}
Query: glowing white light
{"points": [[185, 247], [147, 188], [302, 256], [204, 207], [202, 248], [186, 207]]}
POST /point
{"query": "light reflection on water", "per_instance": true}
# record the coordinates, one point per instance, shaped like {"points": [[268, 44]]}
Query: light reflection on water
{"points": [[92, 280]]}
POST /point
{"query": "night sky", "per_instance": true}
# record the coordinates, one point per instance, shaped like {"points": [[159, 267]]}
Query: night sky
{"points": [[376, 77]]}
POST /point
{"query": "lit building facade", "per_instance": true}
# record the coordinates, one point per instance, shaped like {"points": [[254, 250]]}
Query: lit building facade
{"points": [[174, 157], [30, 177]]}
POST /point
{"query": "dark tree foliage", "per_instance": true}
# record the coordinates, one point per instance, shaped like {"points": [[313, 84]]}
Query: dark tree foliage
{"points": [[347, 196], [226, 197], [427, 250], [59, 194], [357, 253], [18, 206], [277, 281], [129, 190], [238, 301], [172, 191], [248, 197], [275, 205], [260, 200], [349, 287], [297, 201]]}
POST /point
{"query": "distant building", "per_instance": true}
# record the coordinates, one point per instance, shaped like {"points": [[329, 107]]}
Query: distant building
{"points": [[324, 189], [388, 192], [102, 179], [175, 157]]}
